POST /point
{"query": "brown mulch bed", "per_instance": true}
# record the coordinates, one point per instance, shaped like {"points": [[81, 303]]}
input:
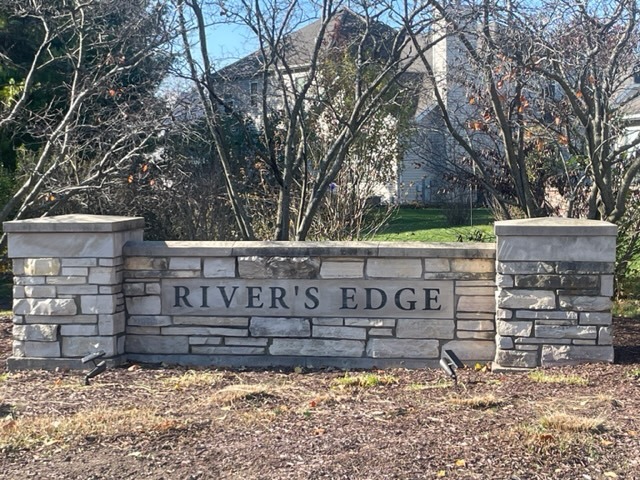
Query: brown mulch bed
{"points": [[174, 423]]}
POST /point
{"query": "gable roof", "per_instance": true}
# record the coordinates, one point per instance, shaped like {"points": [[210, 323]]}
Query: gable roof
{"points": [[344, 30]]}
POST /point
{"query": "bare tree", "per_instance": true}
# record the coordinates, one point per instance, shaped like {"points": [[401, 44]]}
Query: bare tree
{"points": [[102, 119], [537, 94], [287, 94]]}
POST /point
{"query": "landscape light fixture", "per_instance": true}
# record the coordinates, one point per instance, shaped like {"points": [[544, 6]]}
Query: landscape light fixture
{"points": [[449, 363], [98, 367]]}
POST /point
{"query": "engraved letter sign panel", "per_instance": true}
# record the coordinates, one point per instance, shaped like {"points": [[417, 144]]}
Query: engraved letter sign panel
{"points": [[308, 298]]}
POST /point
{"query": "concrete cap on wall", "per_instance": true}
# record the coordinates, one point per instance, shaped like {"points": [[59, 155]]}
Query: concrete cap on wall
{"points": [[555, 226], [74, 223]]}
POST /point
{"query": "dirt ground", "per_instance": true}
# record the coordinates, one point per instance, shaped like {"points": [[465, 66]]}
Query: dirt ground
{"points": [[174, 423]]}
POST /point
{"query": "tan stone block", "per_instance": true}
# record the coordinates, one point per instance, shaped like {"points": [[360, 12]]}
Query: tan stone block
{"points": [[394, 268], [145, 263], [41, 266], [219, 268], [342, 269], [472, 265]]}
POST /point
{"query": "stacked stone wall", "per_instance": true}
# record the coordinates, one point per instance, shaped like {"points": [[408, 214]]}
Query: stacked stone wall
{"points": [[554, 286], [463, 276], [67, 292], [84, 283]]}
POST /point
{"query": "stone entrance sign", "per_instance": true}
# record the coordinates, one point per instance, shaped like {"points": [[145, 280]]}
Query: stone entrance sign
{"points": [[85, 283]]}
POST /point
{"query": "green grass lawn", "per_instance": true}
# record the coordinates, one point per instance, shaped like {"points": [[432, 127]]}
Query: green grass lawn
{"points": [[411, 224]]}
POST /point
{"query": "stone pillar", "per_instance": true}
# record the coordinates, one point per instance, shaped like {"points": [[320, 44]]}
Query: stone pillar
{"points": [[554, 281], [67, 292]]}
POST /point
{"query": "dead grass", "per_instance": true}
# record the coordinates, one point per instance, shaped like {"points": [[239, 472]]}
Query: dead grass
{"points": [[540, 376], [27, 432], [193, 379], [242, 393], [479, 401], [364, 380], [565, 422]]}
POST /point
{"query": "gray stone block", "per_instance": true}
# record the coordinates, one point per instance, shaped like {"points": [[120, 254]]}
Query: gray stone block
{"points": [[100, 304], [150, 305], [317, 347], [81, 346], [131, 330], [515, 268], [328, 322], [74, 271], [477, 304], [504, 281], [112, 324], [475, 335], [154, 344], [553, 355], [476, 326], [402, 348], [595, 318], [222, 350], [557, 248], [475, 291], [212, 321], [77, 289], [278, 267], [79, 262], [586, 267], [348, 333], [45, 307], [477, 315], [474, 350], [424, 328], [604, 336], [61, 319], [205, 331], [67, 280], [554, 331], [516, 359], [39, 291], [504, 343], [514, 328], [546, 315], [41, 349], [606, 285], [36, 332], [538, 281], [29, 280], [149, 320], [582, 303], [527, 299], [381, 332], [152, 288], [246, 341], [279, 327], [205, 340], [104, 276], [79, 330], [370, 322], [185, 263]]}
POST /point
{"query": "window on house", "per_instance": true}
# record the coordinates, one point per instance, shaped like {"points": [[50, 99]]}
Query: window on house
{"points": [[254, 94], [636, 77]]}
